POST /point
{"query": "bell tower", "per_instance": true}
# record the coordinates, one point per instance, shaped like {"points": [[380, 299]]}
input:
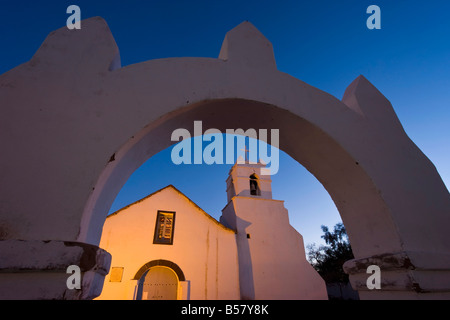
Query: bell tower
{"points": [[246, 180], [271, 254]]}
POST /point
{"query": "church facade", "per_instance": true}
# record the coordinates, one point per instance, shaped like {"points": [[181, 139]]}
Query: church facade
{"points": [[166, 247]]}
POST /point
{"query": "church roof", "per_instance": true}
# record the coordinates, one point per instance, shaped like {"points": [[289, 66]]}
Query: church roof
{"points": [[181, 194]]}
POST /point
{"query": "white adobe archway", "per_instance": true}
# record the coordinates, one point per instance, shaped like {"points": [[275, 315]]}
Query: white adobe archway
{"points": [[75, 126]]}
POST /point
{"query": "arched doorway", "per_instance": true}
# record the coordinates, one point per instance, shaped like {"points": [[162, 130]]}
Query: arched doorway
{"points": [[158, 283], [158, 280]]}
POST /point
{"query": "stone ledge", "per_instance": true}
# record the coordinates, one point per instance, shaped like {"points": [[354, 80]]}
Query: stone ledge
{"points": [[408, 280], [405, 260], [36, 269], [408, 271]]}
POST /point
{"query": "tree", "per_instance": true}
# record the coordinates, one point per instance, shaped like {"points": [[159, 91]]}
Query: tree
{"points": [[328, 259]]}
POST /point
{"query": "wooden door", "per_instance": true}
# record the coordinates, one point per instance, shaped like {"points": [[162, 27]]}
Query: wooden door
{"points": [[160, 283]]}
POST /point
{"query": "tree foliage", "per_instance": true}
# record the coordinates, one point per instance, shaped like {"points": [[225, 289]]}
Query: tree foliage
{"points": [[328, 259]]}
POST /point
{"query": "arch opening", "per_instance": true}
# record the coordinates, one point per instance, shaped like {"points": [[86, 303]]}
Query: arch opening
{"points": [[254, 186], [360, 205]]}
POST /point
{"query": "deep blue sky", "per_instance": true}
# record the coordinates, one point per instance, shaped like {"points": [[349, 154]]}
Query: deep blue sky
{"points": [[324, 43]]}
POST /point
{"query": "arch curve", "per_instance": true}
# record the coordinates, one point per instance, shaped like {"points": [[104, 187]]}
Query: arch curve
{"points": [[160, 262]]}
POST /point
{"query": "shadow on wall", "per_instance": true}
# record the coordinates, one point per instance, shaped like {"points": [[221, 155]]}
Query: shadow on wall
{"points": [[246, 281]]}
